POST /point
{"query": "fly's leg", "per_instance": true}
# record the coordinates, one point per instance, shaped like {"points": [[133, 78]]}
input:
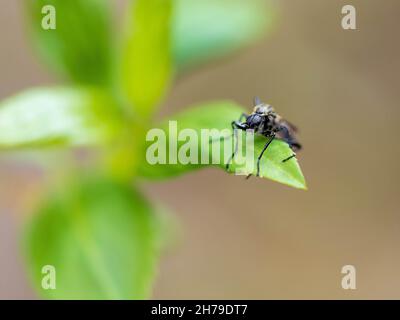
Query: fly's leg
{"points": [[235, 134], [235, 126], [238, 124], [261, 154], [293, 144], [288, 158], [243, 115]]}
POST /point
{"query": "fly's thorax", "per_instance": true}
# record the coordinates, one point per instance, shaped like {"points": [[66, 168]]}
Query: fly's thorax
{"points": [[263, 109], [278, 119]]}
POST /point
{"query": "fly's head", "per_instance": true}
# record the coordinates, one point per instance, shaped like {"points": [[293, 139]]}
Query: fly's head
{"points": [[262, 117]]}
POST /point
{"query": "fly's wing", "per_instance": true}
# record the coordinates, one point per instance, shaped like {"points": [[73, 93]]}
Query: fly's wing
{"points": [[287, 133], [291, 126], [257, 101]]}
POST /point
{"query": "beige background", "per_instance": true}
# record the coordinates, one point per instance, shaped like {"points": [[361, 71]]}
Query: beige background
{"points": [[259, 239]]}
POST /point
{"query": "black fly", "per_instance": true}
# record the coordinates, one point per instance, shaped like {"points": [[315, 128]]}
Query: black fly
{"points": [[266, 122]]}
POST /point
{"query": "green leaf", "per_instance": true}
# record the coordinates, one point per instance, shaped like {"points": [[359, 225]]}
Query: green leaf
{"points": [[57, 116], [209, 29], [100, 237], [271, 165], [79, 47], [219, 115], [146, 56]]}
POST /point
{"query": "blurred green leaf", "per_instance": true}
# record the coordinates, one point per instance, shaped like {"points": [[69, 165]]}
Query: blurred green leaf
{"points": [[219, 115], [209, 29], [100, 237], [168, 228], [57, 116], [79, 47], [146, 57]]}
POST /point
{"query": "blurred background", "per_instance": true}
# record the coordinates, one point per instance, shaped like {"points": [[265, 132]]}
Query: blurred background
{"points": [[257, 239]]}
